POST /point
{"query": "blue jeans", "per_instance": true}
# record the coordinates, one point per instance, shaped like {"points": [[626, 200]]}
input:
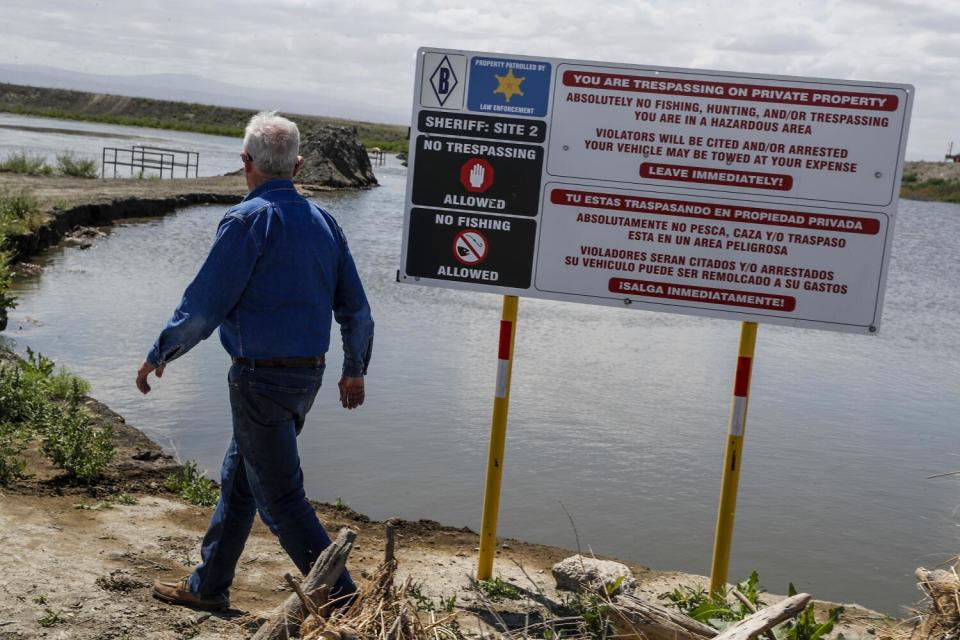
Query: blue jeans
{"points": [[261, 473]]}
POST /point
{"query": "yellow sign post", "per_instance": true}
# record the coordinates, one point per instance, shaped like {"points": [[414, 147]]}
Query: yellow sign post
{"points": [[733, 459], [498, 436]]}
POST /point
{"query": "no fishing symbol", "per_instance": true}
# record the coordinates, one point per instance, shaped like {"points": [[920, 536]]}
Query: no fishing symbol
{"points": [[476, 175], [470, 247]]}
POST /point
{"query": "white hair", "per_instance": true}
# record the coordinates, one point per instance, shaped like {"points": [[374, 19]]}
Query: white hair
{"points": [[273, 142]]}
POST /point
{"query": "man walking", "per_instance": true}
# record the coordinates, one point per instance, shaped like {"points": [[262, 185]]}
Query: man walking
{"points": [[277, 271]]}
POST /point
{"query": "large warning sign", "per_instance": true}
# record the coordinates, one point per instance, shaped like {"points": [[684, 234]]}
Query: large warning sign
{"points": [[751, 197]]}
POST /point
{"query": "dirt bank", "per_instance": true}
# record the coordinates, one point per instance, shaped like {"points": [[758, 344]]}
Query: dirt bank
{"points": [[73, 202], [91, 570]]}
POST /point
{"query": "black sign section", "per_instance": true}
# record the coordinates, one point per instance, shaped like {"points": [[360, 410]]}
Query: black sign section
{"points": [[495, 177], [477, 126], [469, 247]]}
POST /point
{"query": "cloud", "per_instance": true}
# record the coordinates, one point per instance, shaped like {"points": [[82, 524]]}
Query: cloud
{"points": [[362, 52], [772, 43]]}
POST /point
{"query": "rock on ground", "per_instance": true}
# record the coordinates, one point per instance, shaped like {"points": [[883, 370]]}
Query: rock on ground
{"points": [[578, 573], [335, 157]]}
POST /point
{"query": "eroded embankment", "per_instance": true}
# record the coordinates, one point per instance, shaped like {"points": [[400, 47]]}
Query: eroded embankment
{"points": [[73, 202]]}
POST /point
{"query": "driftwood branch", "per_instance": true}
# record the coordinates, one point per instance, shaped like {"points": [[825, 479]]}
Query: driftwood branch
{"points": [[285, 622], [634, 616], [745, 601], [389, 546], [307, 602], [766, 618]]}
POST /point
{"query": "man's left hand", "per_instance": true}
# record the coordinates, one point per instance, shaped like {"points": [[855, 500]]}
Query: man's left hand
{"points": [[145, 369], [351, 392]]}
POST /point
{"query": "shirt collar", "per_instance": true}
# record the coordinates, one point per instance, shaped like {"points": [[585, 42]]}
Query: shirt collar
{"points": [[271, 185]]}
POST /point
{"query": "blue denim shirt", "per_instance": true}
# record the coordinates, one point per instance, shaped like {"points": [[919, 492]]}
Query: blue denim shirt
{"points": [[278, 268]]}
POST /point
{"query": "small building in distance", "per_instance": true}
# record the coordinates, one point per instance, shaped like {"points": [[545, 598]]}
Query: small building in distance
{"points": [[951, 156]]}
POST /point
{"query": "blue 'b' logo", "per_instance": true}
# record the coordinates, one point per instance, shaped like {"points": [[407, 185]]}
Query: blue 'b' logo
{"points": [[443, 80]]}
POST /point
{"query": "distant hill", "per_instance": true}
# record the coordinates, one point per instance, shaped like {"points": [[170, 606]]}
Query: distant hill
{"points": [[168, 114], [194, 89]]}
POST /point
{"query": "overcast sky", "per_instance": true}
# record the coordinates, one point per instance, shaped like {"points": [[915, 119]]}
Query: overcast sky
{"points": [[362, 51]]}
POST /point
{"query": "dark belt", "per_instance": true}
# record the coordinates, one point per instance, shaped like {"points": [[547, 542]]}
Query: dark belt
{"points": [[287, 363]]}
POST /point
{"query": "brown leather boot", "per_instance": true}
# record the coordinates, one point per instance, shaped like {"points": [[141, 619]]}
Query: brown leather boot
{"points": [[179, 593]]}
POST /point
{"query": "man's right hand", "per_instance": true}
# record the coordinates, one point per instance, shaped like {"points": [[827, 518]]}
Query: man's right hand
{"points": [[351, 392], [145, 370]]}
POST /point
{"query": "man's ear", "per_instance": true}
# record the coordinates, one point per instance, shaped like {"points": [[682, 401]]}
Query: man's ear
{"points": [[298, 166]]}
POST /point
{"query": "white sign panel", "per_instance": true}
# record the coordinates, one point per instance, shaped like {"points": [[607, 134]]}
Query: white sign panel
{"points": [[751, 197]]}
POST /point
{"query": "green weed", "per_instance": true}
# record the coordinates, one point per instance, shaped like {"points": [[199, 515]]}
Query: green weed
{"points": [[415, 591], [806, 626], [700, 605], [7, 301], [58, 384], [36, 400], [22, 162], [593, 611], [497, 589], [61, 204], [50, 618], [937, 189], [12, 442], [20, 213], [23, 401], [28, 389], [448, 604], [72, 442], [70, 165], [191, 485], [716, 611], [63, 384]]}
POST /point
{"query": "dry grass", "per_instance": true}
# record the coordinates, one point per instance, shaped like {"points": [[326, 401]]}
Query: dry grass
{"points": [[941, 587], [381, 611]]}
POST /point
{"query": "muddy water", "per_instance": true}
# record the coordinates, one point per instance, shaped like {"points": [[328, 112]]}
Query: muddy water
{"points": [[619, 415]]}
